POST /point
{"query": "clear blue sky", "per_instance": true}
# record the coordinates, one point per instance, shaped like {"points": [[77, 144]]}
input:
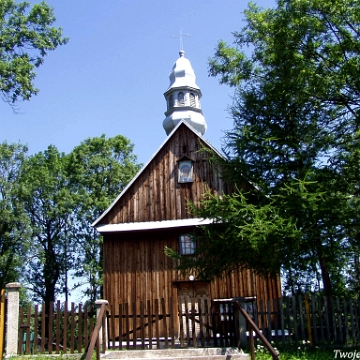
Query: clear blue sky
{"points": [[111, 76]]}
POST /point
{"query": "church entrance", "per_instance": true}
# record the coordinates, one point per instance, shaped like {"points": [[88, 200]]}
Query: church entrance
{"points": [[194, 313]]}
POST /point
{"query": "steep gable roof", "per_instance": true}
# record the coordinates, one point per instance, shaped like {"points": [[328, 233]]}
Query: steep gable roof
{"points": [[97, 222]]}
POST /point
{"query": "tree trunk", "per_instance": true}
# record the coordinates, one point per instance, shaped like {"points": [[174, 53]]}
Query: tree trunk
{"points": [[327, 290]]}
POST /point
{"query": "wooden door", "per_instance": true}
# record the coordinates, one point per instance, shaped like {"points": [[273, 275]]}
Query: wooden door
{"points": [[194, 306]]}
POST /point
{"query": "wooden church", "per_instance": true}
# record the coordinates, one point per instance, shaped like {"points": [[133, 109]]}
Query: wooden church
{"points": [[152, 213]]}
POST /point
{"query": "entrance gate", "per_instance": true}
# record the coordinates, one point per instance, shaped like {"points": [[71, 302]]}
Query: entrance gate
{"points": [[196, 322]]}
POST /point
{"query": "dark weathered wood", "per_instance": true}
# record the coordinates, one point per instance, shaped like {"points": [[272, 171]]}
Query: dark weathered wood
{"points": [[36, 328], [187, 327], [301, 317], [79, 328], [157, 323], [136, 267], [21, 331], [72, 333], [308, 319], [112, 334], [58, 333], [172, 321], [282, 322], [181, 317], [276, 320], [103, 330], [269, 337], [193, 323], [327, 320], [201, 332], [333, 322], [346, 325], [288, 318], [251, 341], [165, 329], [313, 315], [321, 317], [340, 334], [120, 326], [295, 322], [43, 328], [28, 323], [142, 325], [50, 327], [150, 323], [134, 326], [357, 317], [127, 326], [65, 330], [207, 321], [100, 322], [86, 326]]}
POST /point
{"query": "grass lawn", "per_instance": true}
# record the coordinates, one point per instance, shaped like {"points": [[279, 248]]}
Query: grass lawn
{"points": [[305, 352]]}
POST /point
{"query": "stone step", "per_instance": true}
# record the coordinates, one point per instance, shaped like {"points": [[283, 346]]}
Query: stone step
{"points": [[179, 354]]}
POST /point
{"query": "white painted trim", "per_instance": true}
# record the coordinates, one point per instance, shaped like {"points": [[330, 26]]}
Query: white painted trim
{"points": [[152, 225]]}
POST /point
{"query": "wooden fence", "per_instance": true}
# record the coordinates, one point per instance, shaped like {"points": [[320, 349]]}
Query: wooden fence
{"points": [[308, 318], [192, 323], [62, 330]]}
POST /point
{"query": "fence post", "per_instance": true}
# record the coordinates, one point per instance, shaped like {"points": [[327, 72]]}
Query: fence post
{"points": [[98, 304], [12, 318]]}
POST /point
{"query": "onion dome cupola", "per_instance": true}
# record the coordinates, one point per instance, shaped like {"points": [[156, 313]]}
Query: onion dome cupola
{"points": [[183, 98]]}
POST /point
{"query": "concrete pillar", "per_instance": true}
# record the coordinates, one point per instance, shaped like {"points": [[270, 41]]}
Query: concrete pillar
{"points": [[12, 319], [98, 304]]}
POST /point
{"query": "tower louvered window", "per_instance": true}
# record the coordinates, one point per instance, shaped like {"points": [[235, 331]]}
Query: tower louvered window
{"points": [[171, 101], [181, 99], [192, 100]]}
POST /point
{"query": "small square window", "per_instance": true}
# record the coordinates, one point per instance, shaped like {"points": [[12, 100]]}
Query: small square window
{"points": [[187, 245], [186, 171]]}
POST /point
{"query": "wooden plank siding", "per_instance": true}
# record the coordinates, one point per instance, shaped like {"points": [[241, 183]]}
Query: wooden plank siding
{"points": [[135, 266], [156, 194]]}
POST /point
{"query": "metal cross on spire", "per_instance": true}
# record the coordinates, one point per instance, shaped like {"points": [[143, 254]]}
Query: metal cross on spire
{"points": [[181, 35]]}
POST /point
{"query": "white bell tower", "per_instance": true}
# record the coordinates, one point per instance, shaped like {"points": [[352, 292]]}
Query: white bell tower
{"points": [[183, 98]]}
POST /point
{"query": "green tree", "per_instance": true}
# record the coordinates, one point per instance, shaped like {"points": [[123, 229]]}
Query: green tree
{"points": [[26, 36], [295, 137], [99, 169], [49, 206], [13, 224]]}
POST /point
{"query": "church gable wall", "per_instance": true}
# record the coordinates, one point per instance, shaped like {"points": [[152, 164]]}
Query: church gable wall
{"points": [[156, 195]]}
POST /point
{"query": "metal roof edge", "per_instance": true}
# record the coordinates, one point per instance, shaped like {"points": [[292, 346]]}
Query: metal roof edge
{"points": [[152, 225]]}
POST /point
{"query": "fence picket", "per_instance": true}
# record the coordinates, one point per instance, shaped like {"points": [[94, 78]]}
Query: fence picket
{"points": [[36, 328], [142, 328], [150, 323], [301, 317], [65, 331], [269, 332], [346, 327], [288, 318], [172, 322], [157, 330], [282, 321], [58, 311], [194, 323], [127, 326], [339, 320]]}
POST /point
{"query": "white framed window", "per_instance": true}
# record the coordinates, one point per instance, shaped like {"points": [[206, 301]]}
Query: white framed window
{"points": [[187, 244], [186, 171]]}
